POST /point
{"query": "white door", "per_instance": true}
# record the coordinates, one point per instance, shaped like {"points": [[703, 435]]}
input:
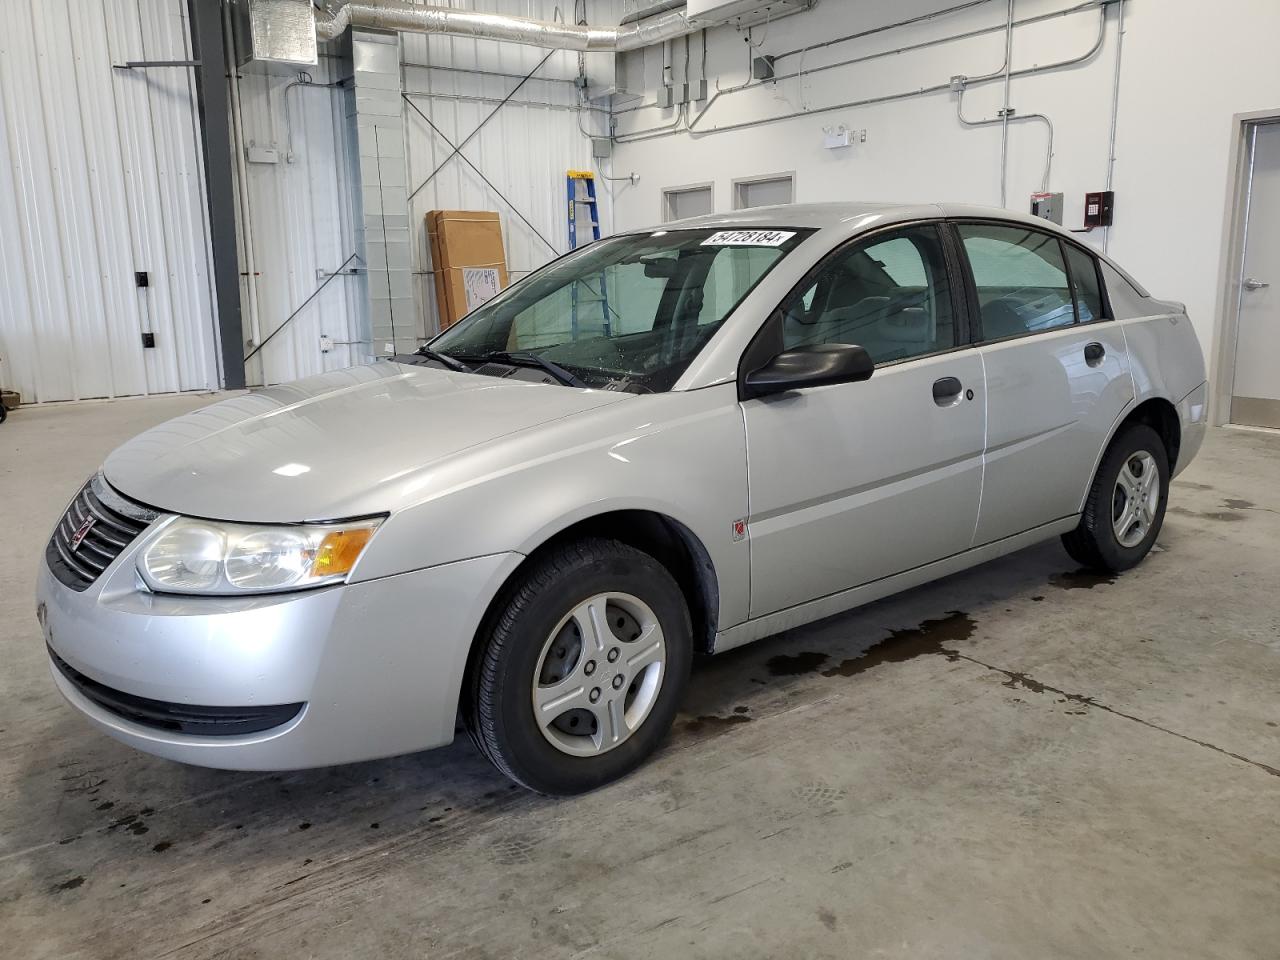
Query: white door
{"points": [[858, 481], [1255, 393]]}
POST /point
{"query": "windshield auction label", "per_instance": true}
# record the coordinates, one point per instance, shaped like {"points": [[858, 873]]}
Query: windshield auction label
{"points": [[748, 238]]}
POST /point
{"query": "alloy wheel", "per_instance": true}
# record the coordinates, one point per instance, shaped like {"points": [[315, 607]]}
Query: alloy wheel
{"points": [[599, 674], [1135, 499]]}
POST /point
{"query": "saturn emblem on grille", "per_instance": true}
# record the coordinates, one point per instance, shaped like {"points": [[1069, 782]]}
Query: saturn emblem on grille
{"points": [[82, 531]]}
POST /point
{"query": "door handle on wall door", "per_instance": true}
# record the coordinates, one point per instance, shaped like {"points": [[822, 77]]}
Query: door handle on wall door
{"points": [[1094, 353], [946, 392], [1252, 284]]}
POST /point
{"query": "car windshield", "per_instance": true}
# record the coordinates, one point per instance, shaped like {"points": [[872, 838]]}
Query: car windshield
{"points": [[627, 313]]}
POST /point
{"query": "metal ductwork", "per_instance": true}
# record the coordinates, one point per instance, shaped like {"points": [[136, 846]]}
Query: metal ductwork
{"points": [[414, 18]]}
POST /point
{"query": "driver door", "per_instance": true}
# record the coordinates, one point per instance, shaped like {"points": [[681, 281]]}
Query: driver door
{"points": [[853, 482]]}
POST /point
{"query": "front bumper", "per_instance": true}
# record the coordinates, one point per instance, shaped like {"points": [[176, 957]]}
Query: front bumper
{"points": [[376, 666]]}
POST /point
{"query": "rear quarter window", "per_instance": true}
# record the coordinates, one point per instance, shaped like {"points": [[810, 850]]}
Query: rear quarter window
{"points": [[1084, 281]]}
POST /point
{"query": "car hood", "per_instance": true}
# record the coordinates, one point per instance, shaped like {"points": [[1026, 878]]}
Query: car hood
{"points": [[344, 444]]}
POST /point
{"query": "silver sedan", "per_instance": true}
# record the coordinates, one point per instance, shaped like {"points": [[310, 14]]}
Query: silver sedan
{"points": [[673, 440]]}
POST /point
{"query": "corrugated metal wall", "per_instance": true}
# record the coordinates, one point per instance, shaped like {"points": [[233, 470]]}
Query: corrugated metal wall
{"points": [[100, 176], [525, 150], [301, 208]]}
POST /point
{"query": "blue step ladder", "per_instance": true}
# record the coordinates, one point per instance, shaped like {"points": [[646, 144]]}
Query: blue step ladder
{"points": [[587, 201]]}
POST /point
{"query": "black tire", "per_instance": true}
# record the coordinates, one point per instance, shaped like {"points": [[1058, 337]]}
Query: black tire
{"points": [[499, 709], [1094, 543], [4, 413]]}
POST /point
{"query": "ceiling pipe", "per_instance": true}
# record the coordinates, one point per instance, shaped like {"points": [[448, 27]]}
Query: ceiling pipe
{"points": [[332, 22]]}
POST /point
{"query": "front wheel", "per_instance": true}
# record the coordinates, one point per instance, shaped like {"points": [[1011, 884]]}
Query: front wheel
{"points": [[583, 668], [1126, 503]]}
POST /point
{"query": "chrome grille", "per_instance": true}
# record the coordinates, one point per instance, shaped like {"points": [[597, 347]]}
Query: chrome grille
{"points": [[117, 521]]}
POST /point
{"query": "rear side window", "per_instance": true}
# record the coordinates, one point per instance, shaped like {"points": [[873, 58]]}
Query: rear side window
{"points": [[1126, 301], [889, 295], [1084, 279], [1021, 279]]}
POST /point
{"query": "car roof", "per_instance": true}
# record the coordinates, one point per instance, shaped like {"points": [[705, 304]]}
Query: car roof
{"points": [[852, 216]]}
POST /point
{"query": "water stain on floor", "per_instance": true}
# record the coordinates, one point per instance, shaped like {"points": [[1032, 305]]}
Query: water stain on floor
{"points": [[899, 646], [1223, 516], [705, 723], [1081, 579], [902, 645], [1016, 680]]}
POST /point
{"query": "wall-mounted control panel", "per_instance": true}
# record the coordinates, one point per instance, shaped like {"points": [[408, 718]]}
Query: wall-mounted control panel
{"points": [[1099, 208], [1048, 206]]}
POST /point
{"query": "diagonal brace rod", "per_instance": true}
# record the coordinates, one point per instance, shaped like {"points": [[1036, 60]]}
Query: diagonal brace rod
{"points": [[472, 135]]}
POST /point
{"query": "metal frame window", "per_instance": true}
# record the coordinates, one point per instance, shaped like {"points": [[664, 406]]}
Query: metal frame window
{"points": [[742, 189], [670, 195]]}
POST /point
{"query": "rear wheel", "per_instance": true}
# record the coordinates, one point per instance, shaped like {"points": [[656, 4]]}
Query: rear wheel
{"points": [[582, 671], [1125, 507]]}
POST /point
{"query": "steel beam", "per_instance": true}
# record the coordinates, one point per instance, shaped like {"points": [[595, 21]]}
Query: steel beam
{"points": [[205, 20]]}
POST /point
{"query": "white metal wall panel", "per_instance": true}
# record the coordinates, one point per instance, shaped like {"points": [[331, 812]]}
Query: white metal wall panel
{"points": [[302, 228], [302, 208], [100, 176], [525, 150]]}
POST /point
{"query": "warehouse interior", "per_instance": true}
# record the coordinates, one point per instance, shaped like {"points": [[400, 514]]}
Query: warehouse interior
{"points": [[205, 199]]}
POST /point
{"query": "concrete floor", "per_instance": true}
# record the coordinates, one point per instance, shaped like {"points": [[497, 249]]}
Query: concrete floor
{"points": [[1028, 762]]}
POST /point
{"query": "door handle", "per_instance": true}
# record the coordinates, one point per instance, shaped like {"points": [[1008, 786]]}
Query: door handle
{"points": [[1094, 353], [946, 392], [1252, 284]]}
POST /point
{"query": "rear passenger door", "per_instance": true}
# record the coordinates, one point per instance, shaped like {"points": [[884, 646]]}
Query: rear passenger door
{"points": [[1057, 372]]}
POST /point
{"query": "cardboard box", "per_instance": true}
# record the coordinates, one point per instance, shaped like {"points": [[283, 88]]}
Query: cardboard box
{"points": [[468, 258]]}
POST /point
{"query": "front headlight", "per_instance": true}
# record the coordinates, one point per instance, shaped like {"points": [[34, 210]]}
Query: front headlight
{"points": [[204, 556]]}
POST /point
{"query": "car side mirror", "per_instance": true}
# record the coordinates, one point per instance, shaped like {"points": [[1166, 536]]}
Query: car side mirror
{"points": [[818, 365]]}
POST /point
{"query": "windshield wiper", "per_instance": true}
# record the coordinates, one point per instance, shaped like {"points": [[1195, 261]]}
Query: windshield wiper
{"points": [[533, 360], [453, 363]]}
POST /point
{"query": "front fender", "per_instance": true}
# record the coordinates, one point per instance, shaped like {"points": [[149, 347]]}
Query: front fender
{"points": [[679, 454]]}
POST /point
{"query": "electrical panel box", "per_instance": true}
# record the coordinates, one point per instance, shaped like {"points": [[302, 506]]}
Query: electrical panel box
{"points": [[1048, 206], [1098, 208]]}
